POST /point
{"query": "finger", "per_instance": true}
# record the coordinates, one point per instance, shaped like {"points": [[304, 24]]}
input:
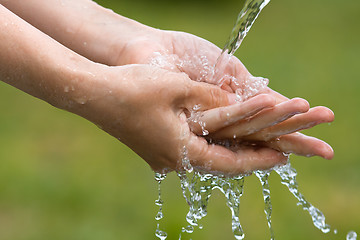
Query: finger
{"points": [[217, 118], [206, 96], [279, 98], [230, 69], [227, 88], [264, 119], [302, 145], [299, 122], [218, 159]]}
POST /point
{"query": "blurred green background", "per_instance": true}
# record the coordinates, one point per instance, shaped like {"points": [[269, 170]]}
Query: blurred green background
{"points": [[63, 178]]}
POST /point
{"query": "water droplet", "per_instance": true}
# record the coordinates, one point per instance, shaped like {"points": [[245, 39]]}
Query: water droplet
{"points": [[205, 132], [160, 234], [186, 161], [197, 107], [351, 235], [81, 100], [159, 216]]}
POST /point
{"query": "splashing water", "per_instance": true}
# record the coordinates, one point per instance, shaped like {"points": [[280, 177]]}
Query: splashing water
{"points": [[351, 236], [263, 176], [197, 187], [288, 178], [246, 87], [246, 18], [159, 177], [249, 86]]}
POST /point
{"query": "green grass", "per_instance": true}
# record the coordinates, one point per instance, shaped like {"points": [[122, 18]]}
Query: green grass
{"points": [[63, 178]]}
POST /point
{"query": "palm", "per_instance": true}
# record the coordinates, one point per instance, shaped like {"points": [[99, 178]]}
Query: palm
{"points": [[183, 52]]}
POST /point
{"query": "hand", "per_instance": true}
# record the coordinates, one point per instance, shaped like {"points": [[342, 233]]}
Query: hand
{"points": [[143, 106], [109, 47], [259, 121], [182, 52], [147, 109]]}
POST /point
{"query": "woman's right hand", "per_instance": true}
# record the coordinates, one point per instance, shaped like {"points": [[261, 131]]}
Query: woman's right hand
{"points": [[260, 121]]}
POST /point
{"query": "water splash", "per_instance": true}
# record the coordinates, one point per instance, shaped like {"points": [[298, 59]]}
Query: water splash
{"points": [[197, 189], [232, 188], [195, 119], [288, 178], [159, 177], [351, 235], [196, 186], [249, 86], [263, 176], [246, 18]]}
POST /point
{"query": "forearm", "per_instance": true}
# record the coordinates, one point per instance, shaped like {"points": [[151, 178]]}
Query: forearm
{"points": [[81, 25], [35, 63]]}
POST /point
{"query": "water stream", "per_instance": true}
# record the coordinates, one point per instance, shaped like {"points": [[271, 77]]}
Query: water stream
{"points": [[245, 20], [263, 176], [197, 187], [159, 178]]}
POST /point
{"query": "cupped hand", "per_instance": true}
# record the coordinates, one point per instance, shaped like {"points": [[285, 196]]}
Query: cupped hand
{"points": [[261, 121], [183, 52], [146, 106]]}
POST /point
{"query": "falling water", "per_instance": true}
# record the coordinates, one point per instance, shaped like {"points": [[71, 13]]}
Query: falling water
{"points": [[288, 178], [159, 177], [245, 20], [263, 176], [197, 187], [351, 235]]}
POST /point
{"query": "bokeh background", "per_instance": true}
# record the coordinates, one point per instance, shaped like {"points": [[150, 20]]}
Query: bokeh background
{"points": [[63, 178]]}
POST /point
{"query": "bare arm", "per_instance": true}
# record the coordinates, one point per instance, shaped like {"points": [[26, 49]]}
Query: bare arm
{"points": [[121, 100], [82, 25], [28, 63]]}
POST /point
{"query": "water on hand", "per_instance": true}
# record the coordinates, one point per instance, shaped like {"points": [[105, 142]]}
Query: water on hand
{"points": [[252, 85]]}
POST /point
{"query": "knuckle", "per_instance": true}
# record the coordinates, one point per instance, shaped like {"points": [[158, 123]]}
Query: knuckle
{"points": [[266, 99], [223, 115], [301, 104], [218, 98]]}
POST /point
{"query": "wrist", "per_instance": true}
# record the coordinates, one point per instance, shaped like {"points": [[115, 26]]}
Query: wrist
{"points": [[112, 37], [84, 26], [101, 35]]}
